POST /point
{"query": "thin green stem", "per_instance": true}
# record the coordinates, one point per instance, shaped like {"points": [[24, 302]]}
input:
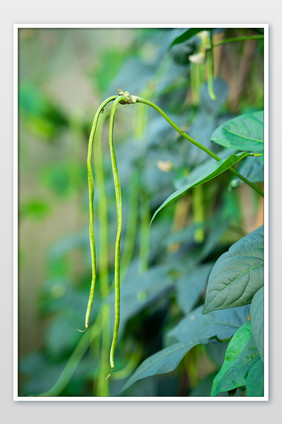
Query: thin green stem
{"points": [[196, 143], [210, 68], [91, 212], [199, 212], [144, 233], [74, 360], [235, 39], [131, 364], [119, 227], [103, 383], [179, 130]]}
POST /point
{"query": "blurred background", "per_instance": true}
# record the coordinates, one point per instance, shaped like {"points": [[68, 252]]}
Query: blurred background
{"points": [[64, 74]]}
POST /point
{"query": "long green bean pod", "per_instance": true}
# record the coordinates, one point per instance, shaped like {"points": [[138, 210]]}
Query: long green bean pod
{"points": [[119, 227], [91, 211]]}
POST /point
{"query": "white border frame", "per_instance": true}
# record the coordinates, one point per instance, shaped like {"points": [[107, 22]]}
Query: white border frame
{"points": [[16, 28]]}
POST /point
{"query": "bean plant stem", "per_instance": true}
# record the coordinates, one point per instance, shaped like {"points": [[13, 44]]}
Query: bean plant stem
{"points": [[75, 359], [210, 68], [199, 212], [235, 39], [103, 383], [196, 143]]}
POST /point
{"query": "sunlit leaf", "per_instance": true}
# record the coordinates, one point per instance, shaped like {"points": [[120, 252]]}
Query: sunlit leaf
{"points": [[241, 356]]}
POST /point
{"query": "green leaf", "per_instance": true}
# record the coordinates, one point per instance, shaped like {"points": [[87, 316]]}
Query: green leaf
{"points": [[252, 169], [191, 286], [201, 175], [220, 324], [257, 320], [167, 359], [237, 275], [255, 380], [204, 386], [241, 356], [186, 35], [164, 361], [245, 132]]}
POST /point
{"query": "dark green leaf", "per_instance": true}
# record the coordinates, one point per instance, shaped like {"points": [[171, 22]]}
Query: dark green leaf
{"points": [[237, 275], [220, 324], [201, 175], [252, 169], [241, 356], [186, 35], [204, 387], [257, 321], [216, 352], [245, 132], [164, 361], [255, 380], [167, 359], [191, 286]]}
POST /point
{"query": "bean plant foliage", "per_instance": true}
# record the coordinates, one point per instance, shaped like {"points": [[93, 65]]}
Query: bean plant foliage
{"points": [[176, 294]]}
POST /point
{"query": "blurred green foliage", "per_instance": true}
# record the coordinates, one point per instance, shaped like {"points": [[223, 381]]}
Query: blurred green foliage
{"points": [[165, 267]]}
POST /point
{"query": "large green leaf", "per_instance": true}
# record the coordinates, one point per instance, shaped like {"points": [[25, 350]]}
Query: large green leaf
{"points": [[257, 320], [220, 324], [241, 356], [200, 332], [237, 275], [164, 361], [202, 174], [245, 132], [255, 380]]}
